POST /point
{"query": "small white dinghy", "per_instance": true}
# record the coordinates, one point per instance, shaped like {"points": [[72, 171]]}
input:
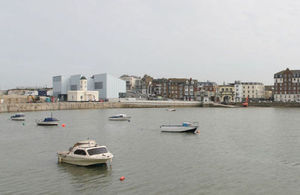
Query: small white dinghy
{"points": [[185, 127], [18, 117], [119, 117], [85, 153], [171, 109]]}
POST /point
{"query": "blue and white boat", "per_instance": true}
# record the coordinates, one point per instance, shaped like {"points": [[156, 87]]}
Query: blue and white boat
{"points": [[49, 121], [119, 117], [185, 127], [18, 117]]}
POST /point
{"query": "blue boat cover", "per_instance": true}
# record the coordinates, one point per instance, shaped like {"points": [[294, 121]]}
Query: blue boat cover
{"points": [[50, 119]]}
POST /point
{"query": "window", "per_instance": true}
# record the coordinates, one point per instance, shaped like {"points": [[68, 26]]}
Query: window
{"points": [[98, 85], [95, 151], [57, 79], [73, 87], [80, 152]]}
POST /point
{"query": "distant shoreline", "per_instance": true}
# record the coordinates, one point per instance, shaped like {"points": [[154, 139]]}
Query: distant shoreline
{"points": [[27, 107]]}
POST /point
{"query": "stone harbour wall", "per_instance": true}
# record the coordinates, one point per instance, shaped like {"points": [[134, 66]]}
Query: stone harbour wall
{"points": [[24, 107]]}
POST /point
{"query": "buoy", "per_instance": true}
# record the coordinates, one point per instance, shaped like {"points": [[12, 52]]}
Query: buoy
{"points": [[23, 124], [63, 125], [198, 131], [122, 178]]}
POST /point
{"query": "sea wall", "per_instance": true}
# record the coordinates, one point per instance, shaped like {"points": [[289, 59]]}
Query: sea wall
{"points": [[23, 107]]}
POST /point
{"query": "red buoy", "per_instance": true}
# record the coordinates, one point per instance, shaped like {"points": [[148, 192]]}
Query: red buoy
{"points": [[63, 125], [122, 178]]}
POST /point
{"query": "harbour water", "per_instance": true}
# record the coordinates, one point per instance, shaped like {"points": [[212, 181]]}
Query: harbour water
{"points": [[238, 151]]}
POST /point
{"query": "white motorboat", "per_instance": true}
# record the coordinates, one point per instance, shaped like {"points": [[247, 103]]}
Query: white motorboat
{"points": [[185, 127], [171, 109], [120, 117], [85, 153], [18, 117]]}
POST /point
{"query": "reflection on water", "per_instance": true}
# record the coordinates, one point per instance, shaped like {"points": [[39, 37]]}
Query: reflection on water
{"points": [[80, 172]]}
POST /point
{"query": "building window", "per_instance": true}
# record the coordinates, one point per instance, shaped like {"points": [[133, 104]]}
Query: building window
{"points": [[73, 87], [98, 85]]}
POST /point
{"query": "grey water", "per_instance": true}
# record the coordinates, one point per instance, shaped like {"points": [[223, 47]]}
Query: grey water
{"points": [[238, 151]]}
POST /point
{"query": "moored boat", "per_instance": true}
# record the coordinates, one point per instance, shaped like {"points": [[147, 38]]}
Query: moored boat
{"points": [[85, 153], [171, 109], [18, 117], [119, 117], [49, 121], [185, 127]]}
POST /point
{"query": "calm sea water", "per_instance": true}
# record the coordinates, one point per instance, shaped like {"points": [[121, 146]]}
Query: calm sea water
{"points": [[238, 151]]}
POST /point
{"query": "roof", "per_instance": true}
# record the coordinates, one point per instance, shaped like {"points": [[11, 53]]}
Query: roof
{"points": [[293, 71], [83, 78]]}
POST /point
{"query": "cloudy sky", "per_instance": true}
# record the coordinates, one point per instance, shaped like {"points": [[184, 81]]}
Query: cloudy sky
{"points": [[218, 40]]}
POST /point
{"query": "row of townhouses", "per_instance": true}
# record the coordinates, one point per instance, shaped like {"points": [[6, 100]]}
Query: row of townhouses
{"points": [[286, 88], [191, 89]]}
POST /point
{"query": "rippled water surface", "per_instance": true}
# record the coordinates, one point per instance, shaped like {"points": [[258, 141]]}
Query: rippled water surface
{"points": [[238, 151]]}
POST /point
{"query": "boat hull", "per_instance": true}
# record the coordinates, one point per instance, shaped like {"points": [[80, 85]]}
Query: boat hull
{"points": [[120, 119], [47, 123], [179, 129], [18, 119], [63, 158]]}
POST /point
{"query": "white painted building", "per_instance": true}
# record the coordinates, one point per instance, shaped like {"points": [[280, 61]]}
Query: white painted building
{"points": [[253, 90], [109, 87], [238, 90], [83, 94]]}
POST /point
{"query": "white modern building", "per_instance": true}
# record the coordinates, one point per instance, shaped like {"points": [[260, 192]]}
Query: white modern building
{"points": [[60, 87], [109, 87], [83, 94], [74, 82]]}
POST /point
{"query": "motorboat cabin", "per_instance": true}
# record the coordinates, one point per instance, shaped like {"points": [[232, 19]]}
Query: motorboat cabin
{"points": [[85, 153]]}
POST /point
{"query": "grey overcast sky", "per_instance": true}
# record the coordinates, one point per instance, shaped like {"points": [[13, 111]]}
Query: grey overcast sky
{"points": [[217, 40]]}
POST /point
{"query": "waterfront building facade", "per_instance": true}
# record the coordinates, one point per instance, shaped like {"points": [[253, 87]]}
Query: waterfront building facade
{"points": [[287, 86], [82, 94], [238, 90], [253, 90], [174, 88], [226, 93], [206, 91], [60, 87], [108, 86], [269, 90]]}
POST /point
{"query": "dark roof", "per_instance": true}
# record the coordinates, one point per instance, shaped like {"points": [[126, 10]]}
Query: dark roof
{"points": [[83, 78], [296, 73]]}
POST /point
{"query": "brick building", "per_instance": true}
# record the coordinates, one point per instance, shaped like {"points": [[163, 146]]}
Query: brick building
{"points": [[287, 86]]}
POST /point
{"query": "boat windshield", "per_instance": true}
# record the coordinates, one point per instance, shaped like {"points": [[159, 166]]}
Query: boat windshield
{"points": [[95, 151]]}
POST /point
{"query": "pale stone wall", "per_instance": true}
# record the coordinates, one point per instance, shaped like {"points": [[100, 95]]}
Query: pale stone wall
{"points": [[23, 107]]}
